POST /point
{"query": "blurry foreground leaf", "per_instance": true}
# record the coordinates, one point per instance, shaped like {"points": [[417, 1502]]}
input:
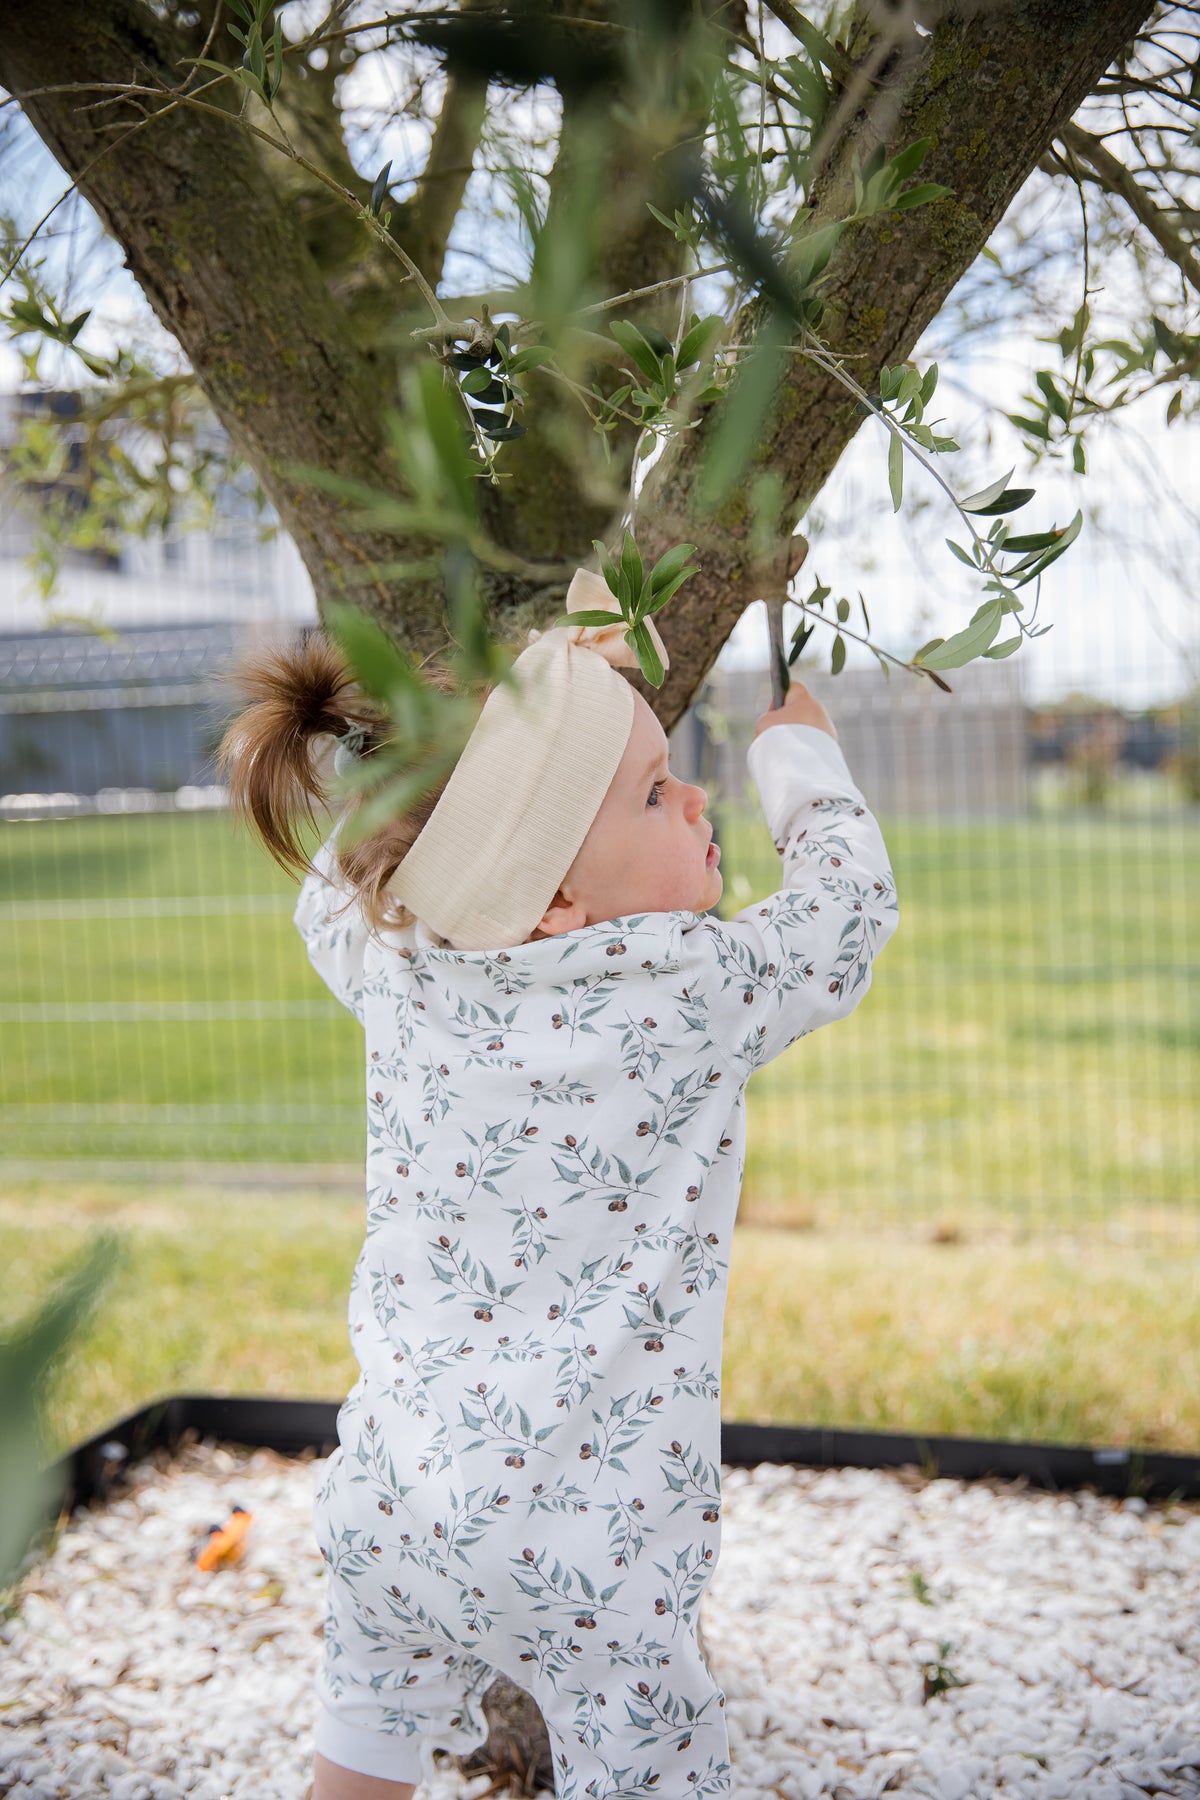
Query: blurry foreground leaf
{"points": [[28, 1357]]}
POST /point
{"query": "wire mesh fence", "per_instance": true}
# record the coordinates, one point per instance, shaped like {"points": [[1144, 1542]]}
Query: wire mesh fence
{"points": [[1024, 1064]]}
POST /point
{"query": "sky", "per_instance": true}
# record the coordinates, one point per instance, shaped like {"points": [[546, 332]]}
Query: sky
{"points": [[1123, 611]]}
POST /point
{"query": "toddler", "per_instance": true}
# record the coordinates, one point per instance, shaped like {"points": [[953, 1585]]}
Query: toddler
{"points": [[558, 1037]]}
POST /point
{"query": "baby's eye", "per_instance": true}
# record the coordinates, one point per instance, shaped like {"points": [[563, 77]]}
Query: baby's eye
{"points": [[655, 790]]}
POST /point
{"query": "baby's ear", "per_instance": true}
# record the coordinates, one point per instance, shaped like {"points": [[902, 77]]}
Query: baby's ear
{"points": [[561, 915]]}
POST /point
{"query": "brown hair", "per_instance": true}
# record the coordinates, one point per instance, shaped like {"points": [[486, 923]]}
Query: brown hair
{"points": [[298, 692]]}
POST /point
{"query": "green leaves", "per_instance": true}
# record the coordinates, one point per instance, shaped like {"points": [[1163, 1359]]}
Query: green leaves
{"points": [[965, 646], [878, 182], [636, 342], [748, 404], [261, 68], [28, 1357], [639, 595], [379, 190], [486, 371], [30, 314], [896, 469], [662, 404]]}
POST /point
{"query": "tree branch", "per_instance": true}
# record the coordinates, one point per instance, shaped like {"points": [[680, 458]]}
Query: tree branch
{"points": [[990, 92], [425, 221], [1113, 176]]}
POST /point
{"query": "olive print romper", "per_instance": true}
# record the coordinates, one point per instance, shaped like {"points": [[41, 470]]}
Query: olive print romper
{"points": [[528, 1472]]}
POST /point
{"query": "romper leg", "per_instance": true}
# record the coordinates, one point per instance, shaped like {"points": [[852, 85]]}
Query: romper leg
{"points": [[391, 1689], [632, 1728]]}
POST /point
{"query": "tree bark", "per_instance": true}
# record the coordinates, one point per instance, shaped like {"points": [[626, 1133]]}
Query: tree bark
{"points": [[209, 238]]}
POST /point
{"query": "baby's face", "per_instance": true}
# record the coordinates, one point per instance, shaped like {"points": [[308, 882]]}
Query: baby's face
{"points": [[647, 849]]}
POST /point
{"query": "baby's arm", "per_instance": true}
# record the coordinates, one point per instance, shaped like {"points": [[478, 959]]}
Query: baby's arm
{"points": [[802, 957], [335, 938]]}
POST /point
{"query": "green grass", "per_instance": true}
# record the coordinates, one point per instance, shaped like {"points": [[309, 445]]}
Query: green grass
{"points": [[221, 1292], [1027, 1056]]}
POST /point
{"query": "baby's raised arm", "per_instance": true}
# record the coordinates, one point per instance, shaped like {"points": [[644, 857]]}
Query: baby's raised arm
{"points": [[802, 957]]}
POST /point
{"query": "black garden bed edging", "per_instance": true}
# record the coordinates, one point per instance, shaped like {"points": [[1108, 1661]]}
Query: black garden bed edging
{"points": [[293, 1426]]}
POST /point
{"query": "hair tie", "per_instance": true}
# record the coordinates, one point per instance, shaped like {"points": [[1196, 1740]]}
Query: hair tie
{"points": [[350, 746]]}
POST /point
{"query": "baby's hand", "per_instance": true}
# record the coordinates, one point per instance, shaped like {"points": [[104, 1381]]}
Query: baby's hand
{"points": [[799, 708]]}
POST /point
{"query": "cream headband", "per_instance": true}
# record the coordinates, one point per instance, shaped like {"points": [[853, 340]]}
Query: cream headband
{"points": [[529, 783]]}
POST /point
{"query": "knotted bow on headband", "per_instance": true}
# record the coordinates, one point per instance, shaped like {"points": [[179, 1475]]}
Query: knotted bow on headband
{"points": [[529, 782]]}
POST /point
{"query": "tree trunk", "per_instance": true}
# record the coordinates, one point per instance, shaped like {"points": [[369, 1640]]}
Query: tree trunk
{"points": [[208, 237]]}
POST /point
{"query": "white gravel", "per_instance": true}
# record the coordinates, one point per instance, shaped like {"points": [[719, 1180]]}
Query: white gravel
{"points": [[1072, 1621]]}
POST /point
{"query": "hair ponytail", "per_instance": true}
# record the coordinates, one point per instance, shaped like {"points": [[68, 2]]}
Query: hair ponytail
{"points": [[298, 692]]}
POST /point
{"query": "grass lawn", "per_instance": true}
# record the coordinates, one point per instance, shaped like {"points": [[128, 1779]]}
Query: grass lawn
{"points": [[1027, 1059], [1028, 1055], [220, 1291]]}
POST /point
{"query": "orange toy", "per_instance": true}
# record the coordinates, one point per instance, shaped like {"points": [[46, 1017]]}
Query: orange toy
{"points": [[225, 1543]]}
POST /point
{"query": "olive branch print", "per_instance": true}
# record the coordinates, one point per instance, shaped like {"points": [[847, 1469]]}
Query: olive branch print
{"points": [[529, 1236], [590, 1728], [470, 1020], [576, 1017], [387, 1129], [562, 1587], [385, 1300], [437, 1096], [437, 1208], [652, 1322], [410, 1612], [467, 1278], [684, 1583], [561, 1092], [625, 1535], [590, 1290], [530, 1349], [595, 1176], [436, 1355], [497, 967], [494, 1421], [468, 1522], [380, 1471], [678, 1108], [701, 1260], [354, 1553], [852, 965], [664, 1716], [631, 1786], [740, 962], [574, 1379], [639, 1653], [617, 1435], [437, 1453], [550, 1655], [563, 1496], [694, 1479], [475, 1615], [639, 1050], [496, 1160], [703, 1384]]}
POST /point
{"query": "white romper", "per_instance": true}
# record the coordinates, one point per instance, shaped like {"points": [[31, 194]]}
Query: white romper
{"points": [[528, 1472]]}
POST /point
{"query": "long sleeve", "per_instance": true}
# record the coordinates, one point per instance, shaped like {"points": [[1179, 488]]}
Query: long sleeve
{"points": [[335, 939], [803, 957]]}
